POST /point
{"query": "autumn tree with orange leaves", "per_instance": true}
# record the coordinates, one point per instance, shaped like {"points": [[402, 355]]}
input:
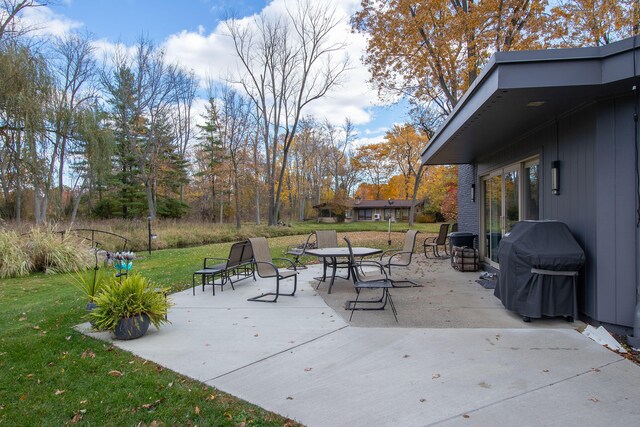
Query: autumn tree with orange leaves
{"points": [[594, 22], [432, 50]]}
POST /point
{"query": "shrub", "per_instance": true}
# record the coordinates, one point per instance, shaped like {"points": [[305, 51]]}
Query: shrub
{"points": [[433, 214], [53, 252], [107, 208], [134, 296], [171, 208], [14, 260]]}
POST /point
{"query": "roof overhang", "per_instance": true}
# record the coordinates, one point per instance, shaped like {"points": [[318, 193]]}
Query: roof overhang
{"points": [[520, 91]]}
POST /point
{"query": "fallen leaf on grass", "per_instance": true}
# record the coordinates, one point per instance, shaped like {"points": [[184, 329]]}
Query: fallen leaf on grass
{"points": [[77, 417], [37, 328], [22, 319], [197, 410], [115, 373], [59, 392], [211, 397], [152, 406], [24, 396], [87, 353]]}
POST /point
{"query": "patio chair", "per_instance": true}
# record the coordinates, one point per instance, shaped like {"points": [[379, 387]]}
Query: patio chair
{"points": [[453, 229], [298, 250], [238, 263], [371, 281], [329, 239], [435, 242], [264, 266], [400, 257]]}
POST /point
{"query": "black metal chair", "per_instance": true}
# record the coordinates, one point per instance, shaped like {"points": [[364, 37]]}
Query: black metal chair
{"points": [[265, 268], [401, 257], [362, 281], [435, 242]]}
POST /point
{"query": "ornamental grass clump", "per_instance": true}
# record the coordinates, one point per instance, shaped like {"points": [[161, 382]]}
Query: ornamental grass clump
{"points": [[136, 295], [53, 252], [14, 260]]}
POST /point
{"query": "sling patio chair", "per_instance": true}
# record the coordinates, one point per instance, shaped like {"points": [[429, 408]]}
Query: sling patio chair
{"points": [[298, 250], [435, 242], [401, 257], [265, 268], [369, 281], [329, 239]]}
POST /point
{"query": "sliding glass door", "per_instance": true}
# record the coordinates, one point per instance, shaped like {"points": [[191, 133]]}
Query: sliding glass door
{"points": [[508, 195]]}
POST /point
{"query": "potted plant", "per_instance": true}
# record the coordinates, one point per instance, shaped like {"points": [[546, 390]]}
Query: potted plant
{"points": [[127, 308], [90, 282]]}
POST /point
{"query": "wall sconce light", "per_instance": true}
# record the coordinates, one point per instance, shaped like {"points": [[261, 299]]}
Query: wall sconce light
{"points": [[555, 177], [473, 192]]}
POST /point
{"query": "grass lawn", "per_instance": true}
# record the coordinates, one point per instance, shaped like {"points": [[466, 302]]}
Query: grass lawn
{"points": [[52, 375]]}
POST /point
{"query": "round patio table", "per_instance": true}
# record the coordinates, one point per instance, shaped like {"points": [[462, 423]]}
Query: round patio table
{"points": [[334, 253]]}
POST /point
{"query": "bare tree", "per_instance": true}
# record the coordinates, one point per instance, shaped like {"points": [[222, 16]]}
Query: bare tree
{"points": [[184, 93], [74, 68], [339, 140], [287, 63], [9, 11], [235, 118]]}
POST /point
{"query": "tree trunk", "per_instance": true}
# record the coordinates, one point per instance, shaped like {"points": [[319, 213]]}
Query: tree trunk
{"points": [[148, 186], [76, 201], [412, 210], [221, 207], [237, 200]]}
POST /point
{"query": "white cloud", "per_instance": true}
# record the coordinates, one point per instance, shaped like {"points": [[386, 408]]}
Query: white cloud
{"points": [[44, 22], [211, 56]]}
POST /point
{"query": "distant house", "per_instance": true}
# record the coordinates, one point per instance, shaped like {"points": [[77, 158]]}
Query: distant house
{"points": [[551, 135], [369, 210]]}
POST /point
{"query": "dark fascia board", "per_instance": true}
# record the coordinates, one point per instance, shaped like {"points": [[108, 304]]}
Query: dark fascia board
{"points": [[589, 67]]}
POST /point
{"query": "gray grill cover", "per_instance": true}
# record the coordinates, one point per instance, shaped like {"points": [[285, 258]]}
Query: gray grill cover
{"points": [[547, 245]]}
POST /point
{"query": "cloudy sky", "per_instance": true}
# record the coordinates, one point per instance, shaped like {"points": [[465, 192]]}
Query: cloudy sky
{"points": [[192, 33]]}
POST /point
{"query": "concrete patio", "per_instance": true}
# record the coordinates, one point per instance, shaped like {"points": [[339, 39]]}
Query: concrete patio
{"points": [[456, 356]]}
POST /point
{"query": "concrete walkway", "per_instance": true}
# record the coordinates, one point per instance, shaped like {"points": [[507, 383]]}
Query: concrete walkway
{"points": [[300, 358]]}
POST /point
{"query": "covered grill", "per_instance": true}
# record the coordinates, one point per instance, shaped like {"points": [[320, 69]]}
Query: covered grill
{"points": [[539, 263]]}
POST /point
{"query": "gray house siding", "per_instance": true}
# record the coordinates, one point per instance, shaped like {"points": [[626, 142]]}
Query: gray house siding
{"points": [[467, 209], [596, 201], [575, 106], [615, 212]]}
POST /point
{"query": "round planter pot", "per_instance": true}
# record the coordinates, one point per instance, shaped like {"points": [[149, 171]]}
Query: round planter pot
{"points": [[90, 306], [129, 328]]}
